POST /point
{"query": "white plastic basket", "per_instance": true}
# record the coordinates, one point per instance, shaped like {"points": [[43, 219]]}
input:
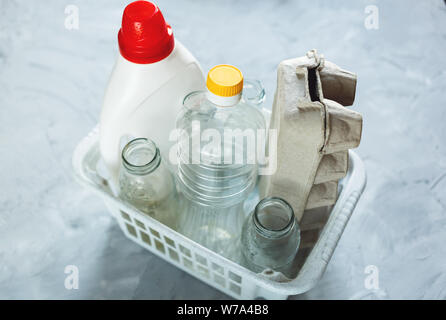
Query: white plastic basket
{"points": [[206, 265]]}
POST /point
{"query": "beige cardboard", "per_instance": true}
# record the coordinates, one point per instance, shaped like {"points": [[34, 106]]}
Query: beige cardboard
{"points": [[322, 194], [332, 167], [344, 128], [337, 84], [300, 122], [314, 133]]}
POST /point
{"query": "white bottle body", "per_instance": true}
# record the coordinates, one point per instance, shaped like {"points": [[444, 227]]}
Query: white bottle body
{"points": [[143, 100]]}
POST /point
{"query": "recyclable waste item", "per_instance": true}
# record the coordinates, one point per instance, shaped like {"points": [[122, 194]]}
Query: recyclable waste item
{"points": [[217, 141], [217, 165], [151, 77], [146, 183], [314, 132], [270, 237]]}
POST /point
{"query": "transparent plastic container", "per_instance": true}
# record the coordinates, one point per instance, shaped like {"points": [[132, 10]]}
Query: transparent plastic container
{"points": [[221, 171], [217, 165]]}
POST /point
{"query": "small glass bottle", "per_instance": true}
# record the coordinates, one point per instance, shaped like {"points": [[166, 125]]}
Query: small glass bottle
{"points": [[146, 183], [270, 237]]}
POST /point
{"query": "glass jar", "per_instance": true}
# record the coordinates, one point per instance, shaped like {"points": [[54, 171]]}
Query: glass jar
{"points": [[270, 237], [146, 183]]}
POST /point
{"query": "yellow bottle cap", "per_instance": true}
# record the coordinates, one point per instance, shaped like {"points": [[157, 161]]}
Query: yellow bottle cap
{"points": [[225, 80]]}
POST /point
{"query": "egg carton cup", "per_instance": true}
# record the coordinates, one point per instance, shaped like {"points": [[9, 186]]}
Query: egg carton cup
{"points": [[208, 266]]}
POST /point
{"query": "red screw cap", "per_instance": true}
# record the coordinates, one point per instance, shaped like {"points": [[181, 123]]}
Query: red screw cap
{"points": [[144, 36]]}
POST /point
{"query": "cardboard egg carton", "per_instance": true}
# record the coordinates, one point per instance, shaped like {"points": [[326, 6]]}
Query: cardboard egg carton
{"points": [[314, 131]]}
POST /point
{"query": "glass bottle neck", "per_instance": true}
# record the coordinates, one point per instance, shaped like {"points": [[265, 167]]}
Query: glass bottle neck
{"points": [[141, 156], [273, 218]]}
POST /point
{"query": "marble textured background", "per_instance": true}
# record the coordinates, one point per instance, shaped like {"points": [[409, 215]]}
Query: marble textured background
{"points": [[51, 85]]}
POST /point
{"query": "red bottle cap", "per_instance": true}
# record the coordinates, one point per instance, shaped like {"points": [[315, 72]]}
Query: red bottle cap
{"points": [[144, 36]]}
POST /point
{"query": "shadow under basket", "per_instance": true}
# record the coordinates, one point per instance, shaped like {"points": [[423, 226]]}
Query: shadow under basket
{"points": [[321, 230]]}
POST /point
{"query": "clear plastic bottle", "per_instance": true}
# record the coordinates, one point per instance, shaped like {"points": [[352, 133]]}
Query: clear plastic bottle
{"points": [[270, 237], [146, 183], [217, 152], [218, 142]]}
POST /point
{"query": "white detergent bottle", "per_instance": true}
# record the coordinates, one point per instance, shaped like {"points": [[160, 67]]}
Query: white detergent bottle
{"points": [[150, 79]]}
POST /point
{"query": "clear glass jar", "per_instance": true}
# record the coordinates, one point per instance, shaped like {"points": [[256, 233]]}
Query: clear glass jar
{"points": [[270, 237], [146, 183]]}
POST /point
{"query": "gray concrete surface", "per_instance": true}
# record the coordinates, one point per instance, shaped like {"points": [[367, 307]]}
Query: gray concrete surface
{"points": [[51, 85]]}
